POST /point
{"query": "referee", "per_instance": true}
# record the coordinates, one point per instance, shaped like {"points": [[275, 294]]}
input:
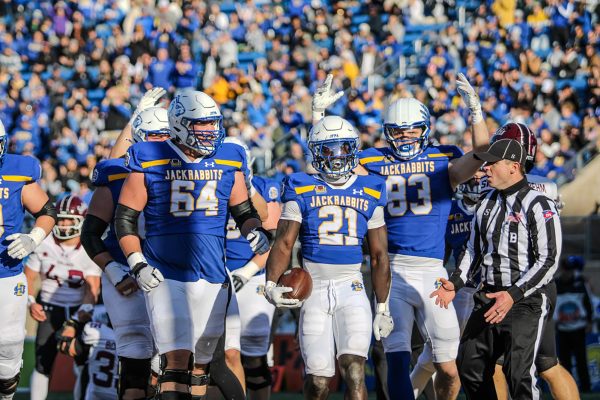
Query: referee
{"points": [[515, 245]]}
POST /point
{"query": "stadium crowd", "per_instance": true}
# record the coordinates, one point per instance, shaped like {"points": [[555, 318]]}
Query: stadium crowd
{"points": [[72, 72]]}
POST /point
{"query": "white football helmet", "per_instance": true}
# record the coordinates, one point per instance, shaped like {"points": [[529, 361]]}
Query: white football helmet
{"points": [[240, 142], [407, 113], [190, 107], [72, 208], [334, 143], [3, 140], [153, 121]]}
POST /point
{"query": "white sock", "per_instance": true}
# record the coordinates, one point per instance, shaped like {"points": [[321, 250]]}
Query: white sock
{"points": [[39, 386]]}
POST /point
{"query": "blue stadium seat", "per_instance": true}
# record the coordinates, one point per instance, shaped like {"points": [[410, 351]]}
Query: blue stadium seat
{"points": [[228, 8], [95, 95]]}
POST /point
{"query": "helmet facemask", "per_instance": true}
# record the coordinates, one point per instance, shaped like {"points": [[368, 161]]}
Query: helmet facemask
{"points": [[406, 148], [204, 141], [65, 232], [335, 158], [470, 190]]}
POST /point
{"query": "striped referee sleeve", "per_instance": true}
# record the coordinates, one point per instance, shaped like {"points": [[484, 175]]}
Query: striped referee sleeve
{"points": [[546, 244]]}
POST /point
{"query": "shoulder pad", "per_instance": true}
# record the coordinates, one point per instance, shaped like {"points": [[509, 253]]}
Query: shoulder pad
{"points": [[20, 168], [372, 155], [232, 155], [443, 151], [107, 171]]}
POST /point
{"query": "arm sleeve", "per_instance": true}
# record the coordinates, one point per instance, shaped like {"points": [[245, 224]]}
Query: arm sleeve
{"points": [[291, 211], [36, 170], [546, 242], [377, 220]]}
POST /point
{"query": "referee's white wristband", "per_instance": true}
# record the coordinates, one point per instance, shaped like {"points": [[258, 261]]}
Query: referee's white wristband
{"points": [[135, 258]]}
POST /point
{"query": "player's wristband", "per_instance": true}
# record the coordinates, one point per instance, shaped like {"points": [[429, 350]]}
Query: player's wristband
{"points": [[38, 235], [381, 308], [135, 258], [31, 300]]}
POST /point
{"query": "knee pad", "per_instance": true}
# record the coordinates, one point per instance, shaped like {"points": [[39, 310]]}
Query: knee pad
{"points": [[182, 376], [543, 363], [9, 386], [199, 380], [133, 374], [258, 375]]}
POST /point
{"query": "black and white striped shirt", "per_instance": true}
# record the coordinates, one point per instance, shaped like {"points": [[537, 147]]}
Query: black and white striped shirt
{"points": [[515, 242]]}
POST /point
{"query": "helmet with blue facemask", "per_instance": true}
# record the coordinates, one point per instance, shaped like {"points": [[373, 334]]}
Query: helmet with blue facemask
{"points": [[405, 114], [152, 122], [191, 107], [334, 143]]}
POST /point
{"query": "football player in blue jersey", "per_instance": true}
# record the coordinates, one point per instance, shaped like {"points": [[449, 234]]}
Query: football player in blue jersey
{"points": [[421, 178], [248, 325], [457, 235], [186, 186], [126, 305], [19, 191], [331, 213]]}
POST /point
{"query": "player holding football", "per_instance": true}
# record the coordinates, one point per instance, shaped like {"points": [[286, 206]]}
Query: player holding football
{"points": [[69, 289], [420, 179], [185, 187], [124, 303], [19, 191], [332, 212]]}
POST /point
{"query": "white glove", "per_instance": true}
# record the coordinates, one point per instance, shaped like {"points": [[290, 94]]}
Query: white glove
{"points": [[383, 324], [116, 272], [470, 98], [274, 295], [323, 98], [146, 275], [149, 99], [259, 240], [24, 244], [242, 275]]}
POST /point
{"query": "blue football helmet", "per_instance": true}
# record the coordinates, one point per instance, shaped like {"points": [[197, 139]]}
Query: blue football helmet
{"points": [[405, 114]]}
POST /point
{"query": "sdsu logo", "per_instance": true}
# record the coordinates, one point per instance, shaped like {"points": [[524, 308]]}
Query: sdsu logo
{"points": [[357, 286], [20, 289], [437, 284], [273, 193], [260, 290], [176, 107], [137, 122]]}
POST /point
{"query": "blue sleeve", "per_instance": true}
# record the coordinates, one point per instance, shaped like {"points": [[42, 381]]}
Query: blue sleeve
{"points": [[107, 171], [36, 169], [456, 151], [133, 159], [288, 193]]}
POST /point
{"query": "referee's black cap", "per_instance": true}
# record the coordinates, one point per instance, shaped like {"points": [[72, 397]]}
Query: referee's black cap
{"points": [[504, 149]]}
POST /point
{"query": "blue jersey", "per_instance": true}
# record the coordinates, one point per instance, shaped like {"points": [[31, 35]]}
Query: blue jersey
{"points": [[334, 219], [15, 172], [187, 209], [458, 230], [238, 248], [112, 173], [419, 197]]}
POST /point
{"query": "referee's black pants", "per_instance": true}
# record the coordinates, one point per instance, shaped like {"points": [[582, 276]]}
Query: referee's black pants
{"points": [[516, 338]]}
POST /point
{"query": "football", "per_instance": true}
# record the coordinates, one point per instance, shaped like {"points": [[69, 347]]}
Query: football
{"points": [[299, 280]]}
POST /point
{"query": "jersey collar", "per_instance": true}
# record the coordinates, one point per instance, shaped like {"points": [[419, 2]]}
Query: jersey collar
{"points": [[182, 155], [346, 185]]}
